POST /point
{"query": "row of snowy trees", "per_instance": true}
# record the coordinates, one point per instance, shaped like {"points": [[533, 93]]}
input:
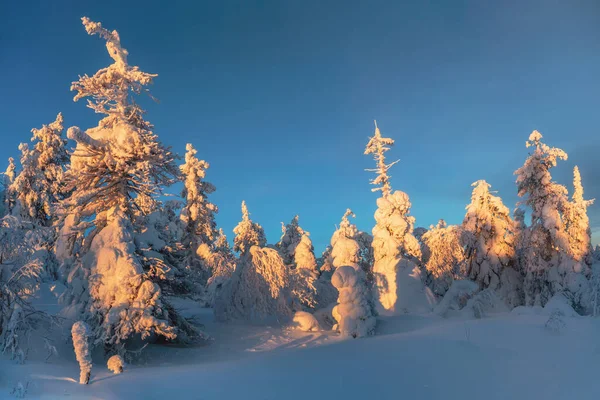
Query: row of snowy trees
{"points": [[92, 219]]}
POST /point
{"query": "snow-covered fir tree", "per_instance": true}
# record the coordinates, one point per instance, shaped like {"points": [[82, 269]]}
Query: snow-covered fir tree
{"points": [[24, 255], [297, 252], [40, 183], [222, 262], [248, 233], [291, 234], [345, 249], [353, 311], [396, 252], [577, 222], [544, 248], [443, 256], [489, 238], [259, 289], [6, 196], [198, 214], [113, 166]]}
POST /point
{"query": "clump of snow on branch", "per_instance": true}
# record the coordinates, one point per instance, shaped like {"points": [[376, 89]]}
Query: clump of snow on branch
{"points": [[80, 333], [115, 364], [353, 312]]}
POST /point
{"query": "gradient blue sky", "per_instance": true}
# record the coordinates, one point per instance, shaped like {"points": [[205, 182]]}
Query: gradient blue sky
{"points": [[280, 96]]}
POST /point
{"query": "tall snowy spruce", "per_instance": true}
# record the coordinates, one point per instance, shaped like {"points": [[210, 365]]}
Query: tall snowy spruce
{"points": [[8, 178], [198, 216], [490, 239], [398, 278], [577, 222], [297, 252], [259, 288], [40, 183], [116, 167], [547, 258]]}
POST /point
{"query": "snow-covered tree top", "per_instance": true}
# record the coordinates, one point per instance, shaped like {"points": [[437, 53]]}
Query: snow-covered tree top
{"points": [[347, 228], [10, 171], [535, 182], [248, 233], [110, 87], [578, 189], [377, 146], [121, 161], [198, 213]]}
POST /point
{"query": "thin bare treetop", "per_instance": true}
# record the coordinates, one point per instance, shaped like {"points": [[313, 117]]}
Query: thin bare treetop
{"points": [[377, 146]]}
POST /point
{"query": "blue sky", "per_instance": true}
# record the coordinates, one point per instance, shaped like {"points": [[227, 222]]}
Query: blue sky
{"points": [[280, 96]]}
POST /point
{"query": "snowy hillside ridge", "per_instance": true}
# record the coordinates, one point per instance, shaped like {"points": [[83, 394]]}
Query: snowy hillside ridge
{"points": [[103, 262]]}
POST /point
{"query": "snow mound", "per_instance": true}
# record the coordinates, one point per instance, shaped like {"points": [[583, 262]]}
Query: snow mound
{"points": [[115, 364], [483, 304], [559, 303], [306, 322], [524, 310]]}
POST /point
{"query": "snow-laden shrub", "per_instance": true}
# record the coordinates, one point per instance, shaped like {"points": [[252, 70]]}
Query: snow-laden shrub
{"points": [[20, 390], [306, 322], [444, 256], [304, 288], [258, 290], [555, 323], [353, 312], [80, 333], [115, 364], [484, 303], [559, 302], [456, 298]]}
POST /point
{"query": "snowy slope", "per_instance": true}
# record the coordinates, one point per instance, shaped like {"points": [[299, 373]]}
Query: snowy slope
{"points": [[508, 356]]}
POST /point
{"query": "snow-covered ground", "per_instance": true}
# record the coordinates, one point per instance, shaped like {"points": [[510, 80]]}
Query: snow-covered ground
{"points": [[508, 356]]}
